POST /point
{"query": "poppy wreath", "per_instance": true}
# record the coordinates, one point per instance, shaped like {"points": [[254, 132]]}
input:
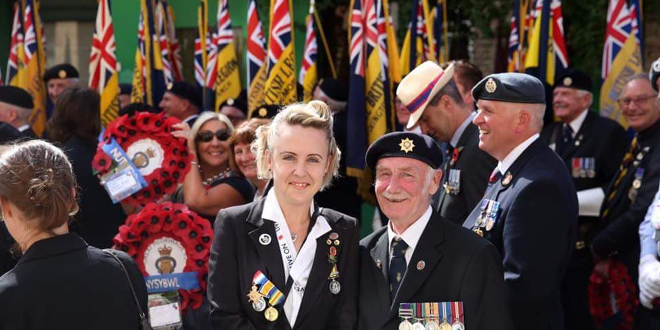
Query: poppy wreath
{"points": [[618, 288], [174, 223], [162, 159]]}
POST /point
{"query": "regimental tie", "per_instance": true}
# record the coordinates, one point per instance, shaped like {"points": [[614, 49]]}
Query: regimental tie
{"points": [[567, 137], [397, 265], [623, 170]]}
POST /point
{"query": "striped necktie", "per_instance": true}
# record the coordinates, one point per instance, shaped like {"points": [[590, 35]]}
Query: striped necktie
{"points": [[623, 170]]}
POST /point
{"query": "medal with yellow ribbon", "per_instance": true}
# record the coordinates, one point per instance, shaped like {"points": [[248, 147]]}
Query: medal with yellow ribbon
{"points": [[263, 288]]}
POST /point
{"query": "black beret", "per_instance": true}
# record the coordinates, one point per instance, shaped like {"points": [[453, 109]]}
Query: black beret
{"points": [[405, 144], [132, 108], [574, 78], [125, 89], [61, 71], [186, 91], [510, 87], [16, 96], [334, 89], [8, 133], [266, 111], [239, 103], [654, 73]]}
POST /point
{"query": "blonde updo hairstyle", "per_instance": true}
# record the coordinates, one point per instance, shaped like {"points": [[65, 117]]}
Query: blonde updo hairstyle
{"points": [[314, 114], [37, 178]]}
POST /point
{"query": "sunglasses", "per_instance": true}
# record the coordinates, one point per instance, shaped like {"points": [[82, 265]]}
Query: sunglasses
{"points": [[207, 136]]}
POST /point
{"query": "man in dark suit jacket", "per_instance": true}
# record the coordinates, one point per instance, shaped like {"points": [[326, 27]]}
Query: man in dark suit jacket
{"points": [[446, 118], [530, 211], [631, 192], [419, 257], [182, 100], [591, 147], [15, 108]]}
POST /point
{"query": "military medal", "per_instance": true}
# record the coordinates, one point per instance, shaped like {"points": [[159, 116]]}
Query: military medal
{"points": [[493, 208], [446, 316], [636, 184], [258, 301], [453, 184], [432, 316], [405, 312], [457, 315], [507, 179], [333, 241], [419, 317], [271, 314]]}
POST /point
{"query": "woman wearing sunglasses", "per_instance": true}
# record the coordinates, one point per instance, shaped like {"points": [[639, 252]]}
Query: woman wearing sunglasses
{"points": [[213, 186]]}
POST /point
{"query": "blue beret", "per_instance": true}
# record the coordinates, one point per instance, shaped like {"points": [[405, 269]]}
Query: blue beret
{"points": [[186, 91], [510, 87], [61, 71], [574, 78], [16, 96], [405, 144]]}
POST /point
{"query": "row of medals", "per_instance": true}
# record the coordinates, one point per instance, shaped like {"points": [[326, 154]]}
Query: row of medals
{"points": [[430, 325], [271, 314]]}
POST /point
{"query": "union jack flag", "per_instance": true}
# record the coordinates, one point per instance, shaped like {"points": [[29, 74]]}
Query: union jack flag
{"points": [[559, 46], [280, 36], [256, 43], [175, 52], [620, 22], [381, 27], [102, 62], [222, 37], [200, 76], [356, 109], [15, 44], [30, 42], [357, 40], [163, 39], [514, 40], [311, 46]]}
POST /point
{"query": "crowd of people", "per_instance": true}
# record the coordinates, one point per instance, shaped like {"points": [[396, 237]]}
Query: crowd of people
{"points": [[492, 216]]}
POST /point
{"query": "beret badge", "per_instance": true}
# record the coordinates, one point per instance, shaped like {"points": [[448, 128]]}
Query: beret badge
{"points": [[62, 74], [406, 145], [568, 81], [490, 86]]}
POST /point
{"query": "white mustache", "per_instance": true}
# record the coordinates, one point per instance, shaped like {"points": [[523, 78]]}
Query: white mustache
{"points": [[395, 197]]}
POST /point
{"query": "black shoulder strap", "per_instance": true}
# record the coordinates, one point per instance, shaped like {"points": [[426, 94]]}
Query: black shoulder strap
{"points": [[143, 318]]}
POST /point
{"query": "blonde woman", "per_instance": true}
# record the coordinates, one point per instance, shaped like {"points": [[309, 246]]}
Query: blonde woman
{"points": [[308, 253], [210, 185]]}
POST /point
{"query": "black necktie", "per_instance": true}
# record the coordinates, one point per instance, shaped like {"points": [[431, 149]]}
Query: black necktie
{"points": [[397, 265], [567, 137]]}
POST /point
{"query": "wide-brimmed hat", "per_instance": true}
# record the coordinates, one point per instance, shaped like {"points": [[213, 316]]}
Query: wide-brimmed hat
{"points": [[417, 89]]}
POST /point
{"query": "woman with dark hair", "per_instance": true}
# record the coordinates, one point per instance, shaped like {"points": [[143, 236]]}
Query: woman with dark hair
{"points": [[60, 282], [242, 159], [75, 126]]}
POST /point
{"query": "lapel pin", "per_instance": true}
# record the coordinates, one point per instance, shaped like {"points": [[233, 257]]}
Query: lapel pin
{"points": [[379, 264], [507, 178], [421, 264], [333, 236], [264, 239]]}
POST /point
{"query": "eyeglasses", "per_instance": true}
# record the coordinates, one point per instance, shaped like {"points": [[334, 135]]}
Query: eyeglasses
{"points": [[624, 102], [207, 136]]}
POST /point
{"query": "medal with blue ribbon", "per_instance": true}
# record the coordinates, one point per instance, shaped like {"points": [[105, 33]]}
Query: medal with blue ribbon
{"points": [[637, 183], [493, 208], [446, 316]]}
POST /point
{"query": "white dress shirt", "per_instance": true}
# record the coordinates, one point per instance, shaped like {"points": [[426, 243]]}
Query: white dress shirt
{"points": [[411, 235], [576, 123], [504, 165]]}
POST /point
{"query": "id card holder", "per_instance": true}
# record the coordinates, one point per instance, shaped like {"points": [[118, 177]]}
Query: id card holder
{"points": [[121, 183], [165, 311]]}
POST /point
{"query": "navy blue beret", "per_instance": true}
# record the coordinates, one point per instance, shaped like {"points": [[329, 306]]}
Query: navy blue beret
{"points": [[16, 96], [510, 87], [239, 103], [186, 91], [405, 144], [574, 78], [125, 88], [61, 71], [266, 111]]}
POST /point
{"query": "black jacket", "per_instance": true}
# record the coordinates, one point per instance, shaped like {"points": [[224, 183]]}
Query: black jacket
{"points": [[62, 283], [236, 254], [475, 166], [459, 266], [535, 234]]}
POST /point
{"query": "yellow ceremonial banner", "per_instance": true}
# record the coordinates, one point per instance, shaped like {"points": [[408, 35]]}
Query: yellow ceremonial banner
{"points": [[280, 87], [37, 89], [256, 90], [392, 46], [627, 63], [374, 99], [21, 77], [420, 53], [137, 93], [110, 100], [310, 81], [228, 80]]}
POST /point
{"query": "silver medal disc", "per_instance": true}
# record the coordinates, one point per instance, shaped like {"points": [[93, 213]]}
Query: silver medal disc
{"points": [[405, 325], [418, 326], [259, 305], [457, 326], [335, 287]]}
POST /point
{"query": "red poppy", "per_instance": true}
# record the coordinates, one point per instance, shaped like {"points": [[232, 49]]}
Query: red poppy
{"points": [[619, 286], [101, 162]]}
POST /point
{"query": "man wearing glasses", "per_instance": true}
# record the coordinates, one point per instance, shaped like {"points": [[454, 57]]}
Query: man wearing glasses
{"points": [[630, 193]]}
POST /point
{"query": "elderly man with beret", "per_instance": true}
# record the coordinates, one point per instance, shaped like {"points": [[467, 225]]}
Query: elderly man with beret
{"points": [[15, 108], [591, 147], [421, 270], [182, 100], [530, 210]]}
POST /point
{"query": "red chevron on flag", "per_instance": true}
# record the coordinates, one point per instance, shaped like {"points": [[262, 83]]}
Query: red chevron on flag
{"points": [[102, 61]]}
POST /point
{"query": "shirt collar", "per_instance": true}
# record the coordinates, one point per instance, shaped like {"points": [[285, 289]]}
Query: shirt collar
{"points": [[272, 210], [189, 118], [576, 124], [414, 232], [504, 165], [460, 130], [24, 128]]}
